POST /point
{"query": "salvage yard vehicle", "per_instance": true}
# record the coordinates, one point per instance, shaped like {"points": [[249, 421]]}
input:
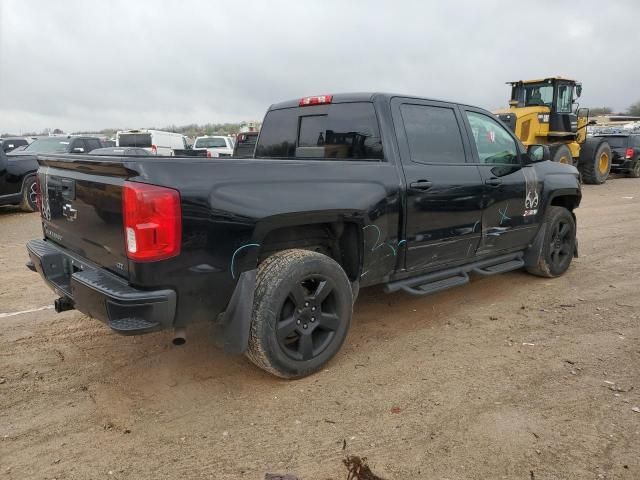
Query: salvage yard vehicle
{"points": [[542, 112], [156, 142], [10, 144], [18, 168], [215, 145], [625, 149], [345, 191]]}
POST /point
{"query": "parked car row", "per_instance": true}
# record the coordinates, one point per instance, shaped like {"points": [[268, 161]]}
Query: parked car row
{"points": [[158, 142], [19, 163]]}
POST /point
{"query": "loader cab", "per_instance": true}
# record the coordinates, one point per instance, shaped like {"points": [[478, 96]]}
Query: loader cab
{"points": [[553, 99]]}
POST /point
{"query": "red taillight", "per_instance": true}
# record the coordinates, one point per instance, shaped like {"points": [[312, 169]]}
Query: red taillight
{"points": [[152, 221], [208, 154], [629, 154], [154, 149], [317, 100], [38, 194]]}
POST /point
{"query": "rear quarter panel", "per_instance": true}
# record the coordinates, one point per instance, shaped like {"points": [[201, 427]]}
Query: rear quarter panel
{"points": [[18, 167]]}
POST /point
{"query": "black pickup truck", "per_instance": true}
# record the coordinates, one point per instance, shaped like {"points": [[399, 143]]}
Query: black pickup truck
{"points": [[18, 169], [344, 191]]}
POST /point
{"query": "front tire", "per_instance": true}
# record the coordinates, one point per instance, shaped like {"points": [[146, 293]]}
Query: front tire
{"points": [[302, 310], [29, 195], [558, 243]]}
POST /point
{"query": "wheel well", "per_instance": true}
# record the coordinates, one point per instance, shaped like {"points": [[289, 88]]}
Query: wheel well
{"points": [[338, 240], [570, 202]]}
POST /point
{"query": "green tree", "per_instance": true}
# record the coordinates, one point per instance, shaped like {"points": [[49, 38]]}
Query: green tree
{"points": [[634, 109]]}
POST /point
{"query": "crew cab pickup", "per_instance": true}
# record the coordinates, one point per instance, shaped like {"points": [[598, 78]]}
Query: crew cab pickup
{"points": [[344, 191]]}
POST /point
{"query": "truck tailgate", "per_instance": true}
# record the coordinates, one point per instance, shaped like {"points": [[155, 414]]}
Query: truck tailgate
{"points": [[82, 208]]}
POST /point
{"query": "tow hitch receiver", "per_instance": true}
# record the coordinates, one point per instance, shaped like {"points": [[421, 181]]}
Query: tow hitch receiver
{"points": [[63, 304]]}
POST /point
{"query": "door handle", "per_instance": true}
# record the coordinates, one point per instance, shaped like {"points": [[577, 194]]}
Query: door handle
{"points": [[421, 185], [494, 182]]}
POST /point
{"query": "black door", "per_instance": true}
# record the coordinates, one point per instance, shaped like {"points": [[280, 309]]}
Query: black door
{"points": [[562, 120], [444, 191], [511, 191]]}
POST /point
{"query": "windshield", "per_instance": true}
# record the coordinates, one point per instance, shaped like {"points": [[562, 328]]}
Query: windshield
{"points": [[49, 145], [134, 140], [534, 94], [211, 143]]}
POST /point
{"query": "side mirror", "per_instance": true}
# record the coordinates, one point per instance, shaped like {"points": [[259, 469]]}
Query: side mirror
{"points": [[77, 150], [578, 90], [538, 153]]}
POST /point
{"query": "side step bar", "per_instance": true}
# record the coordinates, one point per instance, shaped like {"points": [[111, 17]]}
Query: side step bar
{"points": [[452, 277]]}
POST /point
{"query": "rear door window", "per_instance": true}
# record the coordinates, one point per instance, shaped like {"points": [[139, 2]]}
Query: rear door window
{"points": [[134, 140], [433, 134], [341, 131], [79, 143]]}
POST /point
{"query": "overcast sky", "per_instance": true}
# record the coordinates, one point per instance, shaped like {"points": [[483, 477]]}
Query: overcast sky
{"points": [[89, 64]]}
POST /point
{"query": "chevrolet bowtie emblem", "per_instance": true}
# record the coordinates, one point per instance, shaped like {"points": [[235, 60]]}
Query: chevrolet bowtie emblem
{"points": [[69, 212]]}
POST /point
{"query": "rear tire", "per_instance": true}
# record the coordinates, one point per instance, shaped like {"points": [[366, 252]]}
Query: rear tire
{"points": [[595, 162], [29, 194], [301, 313], [563, 155], [558, 245]]}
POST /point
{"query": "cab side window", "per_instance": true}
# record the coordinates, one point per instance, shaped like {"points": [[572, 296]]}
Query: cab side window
{"points": [[92, 144], [493, 143], [433, 134]]}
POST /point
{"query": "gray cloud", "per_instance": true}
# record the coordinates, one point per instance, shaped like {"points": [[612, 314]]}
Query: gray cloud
{"points": [[93, 64]]}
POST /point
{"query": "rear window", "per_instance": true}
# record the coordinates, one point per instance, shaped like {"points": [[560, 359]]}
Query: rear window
{"points": [[246, 139], [617, 142], [342, 131], [134, 140], [210, 143]]}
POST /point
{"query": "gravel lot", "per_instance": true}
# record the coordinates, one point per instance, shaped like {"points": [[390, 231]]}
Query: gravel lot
{"points": [[511, 377]]}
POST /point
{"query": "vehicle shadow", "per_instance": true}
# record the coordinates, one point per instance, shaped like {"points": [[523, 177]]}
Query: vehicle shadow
{"points": [[378, 317]]}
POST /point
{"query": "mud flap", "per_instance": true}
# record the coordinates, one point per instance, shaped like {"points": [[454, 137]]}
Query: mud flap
{"points": [[533, 253], [231, 332]]}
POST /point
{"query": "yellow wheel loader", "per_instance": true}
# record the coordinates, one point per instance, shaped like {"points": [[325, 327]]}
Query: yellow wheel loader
{"points": [[542, 112]]}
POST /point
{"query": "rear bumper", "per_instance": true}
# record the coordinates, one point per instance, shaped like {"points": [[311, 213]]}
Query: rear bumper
{"points": [[619, 164], [101, 294]]}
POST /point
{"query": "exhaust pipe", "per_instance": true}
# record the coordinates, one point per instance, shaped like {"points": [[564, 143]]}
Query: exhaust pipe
{"points": [[62, 304], [179, 337]]}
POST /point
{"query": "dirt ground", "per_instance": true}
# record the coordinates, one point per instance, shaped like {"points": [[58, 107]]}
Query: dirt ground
{"points": [[512, 377]]}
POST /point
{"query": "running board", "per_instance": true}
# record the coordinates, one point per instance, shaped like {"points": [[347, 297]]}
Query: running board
{"points": [[452, 277], [438, 285], [500, 267]]}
